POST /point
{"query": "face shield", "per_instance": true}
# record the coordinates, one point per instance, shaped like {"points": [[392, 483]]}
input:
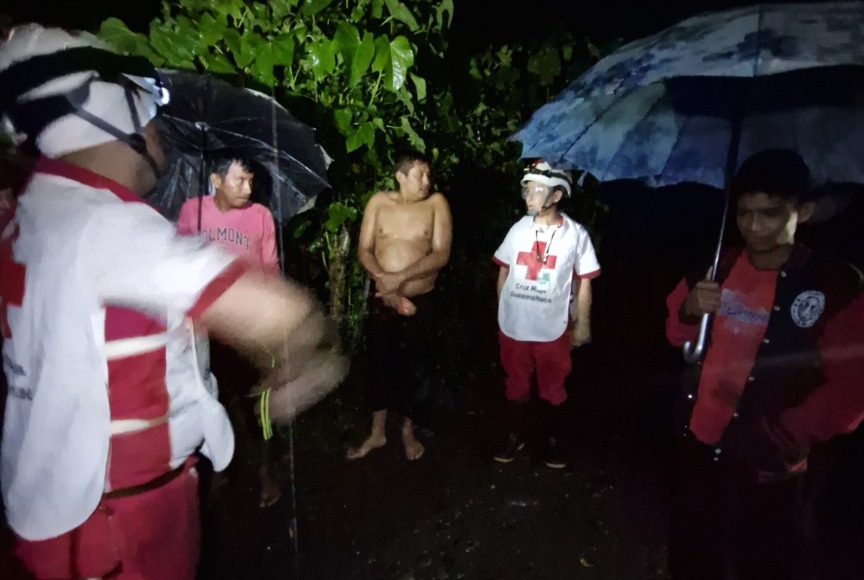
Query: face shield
{"points": [[541, 179], [537, 192]]}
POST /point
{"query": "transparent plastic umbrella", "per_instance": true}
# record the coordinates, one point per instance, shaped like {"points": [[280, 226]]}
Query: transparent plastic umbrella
{"points": [[208, 119]]}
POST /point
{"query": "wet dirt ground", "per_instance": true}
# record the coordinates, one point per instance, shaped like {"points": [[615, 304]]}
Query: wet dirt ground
{"points": [[456, 513]]}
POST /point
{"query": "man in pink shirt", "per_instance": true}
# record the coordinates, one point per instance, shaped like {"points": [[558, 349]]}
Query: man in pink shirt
{"points": [[246, 230], [227, 218]]}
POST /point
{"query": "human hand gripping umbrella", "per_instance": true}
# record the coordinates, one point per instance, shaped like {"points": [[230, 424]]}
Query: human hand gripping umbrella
{"points": [[690, 103]]}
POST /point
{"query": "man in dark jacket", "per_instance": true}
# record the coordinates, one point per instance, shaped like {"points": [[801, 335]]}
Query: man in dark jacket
{"points": [[782, 374]]}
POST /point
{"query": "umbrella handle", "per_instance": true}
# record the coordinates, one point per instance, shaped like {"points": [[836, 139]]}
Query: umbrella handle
{"points": [[693, 352]]}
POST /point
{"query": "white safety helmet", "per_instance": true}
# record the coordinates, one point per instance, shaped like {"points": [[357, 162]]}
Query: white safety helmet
{"points": [[65, 91], [541, 172]]}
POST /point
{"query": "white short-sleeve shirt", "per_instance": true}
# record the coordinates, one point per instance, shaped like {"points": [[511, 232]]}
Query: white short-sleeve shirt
{"points": [[542, 262], [79, 246]]}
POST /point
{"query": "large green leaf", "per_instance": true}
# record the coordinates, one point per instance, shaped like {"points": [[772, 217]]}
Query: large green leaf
{"points": [[377, 9], [362, 58], [251, 45], [414, 139], [283, 49], [343, 119], [363, 135], [283, 8], [546, 64], [406, 98], [313, 7], [233, 41], [261, 15], [321, 57], [445, 7], [232, 8], [114, 32], [401, 13], [401, 60], [393, 59], [419, 86], [211, 29], [176, 51], [382, 54], [346, 41], [262, 66], [337, 214], [190, 35], [217, 62]]}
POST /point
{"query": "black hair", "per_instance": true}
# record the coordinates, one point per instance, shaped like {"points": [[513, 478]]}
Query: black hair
{"points": [[775, 172], [405, 161], [222, 165]]}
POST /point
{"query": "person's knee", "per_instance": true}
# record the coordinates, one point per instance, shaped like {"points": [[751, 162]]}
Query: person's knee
{"points": [[517, 392]]}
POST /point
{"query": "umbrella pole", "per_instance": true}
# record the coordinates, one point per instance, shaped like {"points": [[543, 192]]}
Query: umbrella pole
{"points": [[293, 531], [202, 176], [694, 352]]}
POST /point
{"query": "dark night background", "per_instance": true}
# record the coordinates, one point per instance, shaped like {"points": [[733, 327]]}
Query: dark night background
{"points": [[476, 22]]}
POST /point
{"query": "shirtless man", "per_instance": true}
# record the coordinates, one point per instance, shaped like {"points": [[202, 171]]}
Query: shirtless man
{"points": [[404, 242]]}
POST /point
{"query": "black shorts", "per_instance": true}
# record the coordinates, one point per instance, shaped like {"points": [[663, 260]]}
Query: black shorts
{"points": [[237, 378], [401, 356]]}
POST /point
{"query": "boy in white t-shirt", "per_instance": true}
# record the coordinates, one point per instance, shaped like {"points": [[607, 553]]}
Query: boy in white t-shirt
{"points": [[547, 262]]}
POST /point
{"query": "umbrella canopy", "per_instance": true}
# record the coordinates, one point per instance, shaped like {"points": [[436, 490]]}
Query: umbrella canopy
{"points": [[671, 107], [208, 119]]}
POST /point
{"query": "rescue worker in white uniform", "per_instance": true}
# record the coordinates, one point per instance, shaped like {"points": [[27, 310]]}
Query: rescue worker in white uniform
{"points": [[97, 297], [546, 261]]}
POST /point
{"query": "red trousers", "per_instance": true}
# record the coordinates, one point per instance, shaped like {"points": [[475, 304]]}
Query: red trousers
{"points": [[149, 536], [549, 360]]}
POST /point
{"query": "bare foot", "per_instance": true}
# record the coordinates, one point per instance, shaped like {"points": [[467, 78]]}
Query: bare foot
{"points": [[372, 442], [405, 307], [413, 449], [270, 492]]}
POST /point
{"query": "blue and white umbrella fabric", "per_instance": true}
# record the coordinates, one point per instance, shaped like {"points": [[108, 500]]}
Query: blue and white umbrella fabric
{"points": [[672, 107]]}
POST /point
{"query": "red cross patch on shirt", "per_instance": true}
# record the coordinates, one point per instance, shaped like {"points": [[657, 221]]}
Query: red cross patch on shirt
{"points": [[534, 265]]}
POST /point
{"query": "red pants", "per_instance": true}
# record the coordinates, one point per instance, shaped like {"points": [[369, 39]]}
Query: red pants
{"points": [[550, 360], [152, 535]]}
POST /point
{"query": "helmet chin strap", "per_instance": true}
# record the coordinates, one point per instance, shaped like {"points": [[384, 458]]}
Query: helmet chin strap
{"points": [[135, 141], [546, 205]]}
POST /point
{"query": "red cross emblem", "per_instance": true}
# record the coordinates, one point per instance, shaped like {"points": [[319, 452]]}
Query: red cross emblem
{"points": [[534, 265], [11, 282]]}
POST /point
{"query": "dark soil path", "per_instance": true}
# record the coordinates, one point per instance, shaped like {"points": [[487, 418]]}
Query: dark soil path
{"points": [[456, 513]]}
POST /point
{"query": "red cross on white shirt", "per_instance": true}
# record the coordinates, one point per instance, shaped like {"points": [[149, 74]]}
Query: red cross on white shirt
{"points": [[534, 265]]}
